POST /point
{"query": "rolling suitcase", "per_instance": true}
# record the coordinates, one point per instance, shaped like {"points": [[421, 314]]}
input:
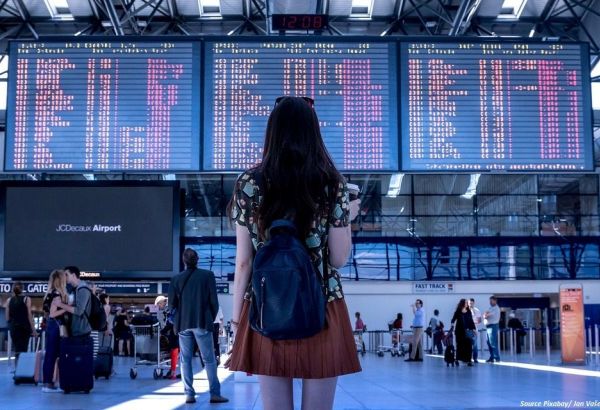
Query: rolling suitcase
{"points": [[76, 364], [104, 359], [29, 365]]}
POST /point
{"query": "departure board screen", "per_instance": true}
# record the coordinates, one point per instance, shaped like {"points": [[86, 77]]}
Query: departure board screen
{"points": [[104, 106], [514, 106], [354, 86]]}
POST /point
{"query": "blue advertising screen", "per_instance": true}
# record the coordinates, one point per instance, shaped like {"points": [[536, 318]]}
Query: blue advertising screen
{"points": [[92, 105], [353, 83], [492, 106]]}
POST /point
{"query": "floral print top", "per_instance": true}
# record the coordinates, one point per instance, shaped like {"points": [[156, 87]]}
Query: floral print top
{"points": [[246, 200]]}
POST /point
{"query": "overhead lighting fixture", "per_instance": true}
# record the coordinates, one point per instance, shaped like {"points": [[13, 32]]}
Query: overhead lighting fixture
{"points": [[210, 7], [89, 177], [512, 9], [532, 32], [472, 188], [361, 8], [59, 9], [395, 185]]}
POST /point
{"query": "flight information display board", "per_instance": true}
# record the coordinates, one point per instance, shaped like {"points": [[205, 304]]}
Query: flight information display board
{"points": [[90, 105], [353, 83], [483, 106]]}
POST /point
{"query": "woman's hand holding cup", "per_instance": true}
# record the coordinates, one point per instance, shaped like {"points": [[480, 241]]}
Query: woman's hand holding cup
{"points": [[353, 191]]}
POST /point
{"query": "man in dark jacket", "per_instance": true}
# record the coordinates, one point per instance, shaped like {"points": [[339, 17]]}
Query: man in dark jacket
{"points": [[193, 296]]}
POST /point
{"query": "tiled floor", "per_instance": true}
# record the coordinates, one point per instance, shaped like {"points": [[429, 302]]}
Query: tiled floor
{"points": [[384, 383]]}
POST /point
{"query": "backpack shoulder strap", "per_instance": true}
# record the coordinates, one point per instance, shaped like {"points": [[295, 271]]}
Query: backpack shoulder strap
{"points": [[88, 304]]}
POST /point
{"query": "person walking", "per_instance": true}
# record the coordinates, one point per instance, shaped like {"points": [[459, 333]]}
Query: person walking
{"points": [[417, 328], [20, 320], [193, 298], [464, 331], [297, 181], [492, 319]]}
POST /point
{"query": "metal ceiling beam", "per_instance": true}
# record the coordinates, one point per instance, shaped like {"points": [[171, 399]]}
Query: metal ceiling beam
{"points": [[10, 32], [172, 7], [260, 9], [5, 7], [582, 25], [420, 15], [460, 17], [111, 13], [22, 10], [396, 24], [129, 15]]}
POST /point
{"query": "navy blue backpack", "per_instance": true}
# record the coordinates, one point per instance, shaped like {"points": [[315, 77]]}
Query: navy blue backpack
{"points": [[288, 300]]}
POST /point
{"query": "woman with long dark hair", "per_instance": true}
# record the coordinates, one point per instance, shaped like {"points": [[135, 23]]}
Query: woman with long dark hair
{"points": [[296, 180], [20, 319], [465, 331]]}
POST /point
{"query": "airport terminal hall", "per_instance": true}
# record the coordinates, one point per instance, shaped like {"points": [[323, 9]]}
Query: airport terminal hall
{"points": [[299, 204]]}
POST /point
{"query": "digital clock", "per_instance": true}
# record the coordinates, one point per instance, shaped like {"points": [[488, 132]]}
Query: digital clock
{"points": [[282, 22]]}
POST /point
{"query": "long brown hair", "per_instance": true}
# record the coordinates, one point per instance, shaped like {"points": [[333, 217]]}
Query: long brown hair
{"points": [[58, 282], [298, 179]]}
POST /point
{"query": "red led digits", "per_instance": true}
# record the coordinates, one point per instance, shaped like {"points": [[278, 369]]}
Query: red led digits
{"points": [[103, 106], [351, 93], [489, 105]]}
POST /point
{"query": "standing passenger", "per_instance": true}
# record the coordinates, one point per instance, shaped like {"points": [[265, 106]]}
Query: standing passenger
{"points": [[492, 320], [296, 180], [106, 339], [464, 329], [122, 332], [193, 295], [57, 289], [478, 320], [81, 310], [417, 327]]}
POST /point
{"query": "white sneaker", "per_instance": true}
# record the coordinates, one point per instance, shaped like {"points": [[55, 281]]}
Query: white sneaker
{"points": [[51, 390]]}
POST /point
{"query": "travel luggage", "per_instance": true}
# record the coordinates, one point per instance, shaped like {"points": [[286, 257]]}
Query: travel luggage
{"points": [[103, 364], [76, 364], [29, 365], [449, 356]]}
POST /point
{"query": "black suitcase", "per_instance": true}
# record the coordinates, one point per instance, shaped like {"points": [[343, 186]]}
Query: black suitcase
{"points": [[76, 364], [103, 364]]}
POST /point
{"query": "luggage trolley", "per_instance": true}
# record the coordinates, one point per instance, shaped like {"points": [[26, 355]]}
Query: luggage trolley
{"points": [[147, 350], [400, 341]]}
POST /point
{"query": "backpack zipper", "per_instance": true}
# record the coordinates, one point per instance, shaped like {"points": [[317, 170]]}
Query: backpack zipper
{"points": [[262, 300]]}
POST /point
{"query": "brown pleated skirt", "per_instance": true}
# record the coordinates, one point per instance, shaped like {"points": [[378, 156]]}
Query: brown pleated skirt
{"points": [[329, 353]]}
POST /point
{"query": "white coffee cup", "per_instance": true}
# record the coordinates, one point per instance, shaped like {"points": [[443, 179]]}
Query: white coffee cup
{"points": [[353, 191]]}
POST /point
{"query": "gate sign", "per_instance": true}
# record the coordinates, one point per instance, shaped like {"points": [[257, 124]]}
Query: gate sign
{"points": [[433, 287], [128, 288], [28, 287]]}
